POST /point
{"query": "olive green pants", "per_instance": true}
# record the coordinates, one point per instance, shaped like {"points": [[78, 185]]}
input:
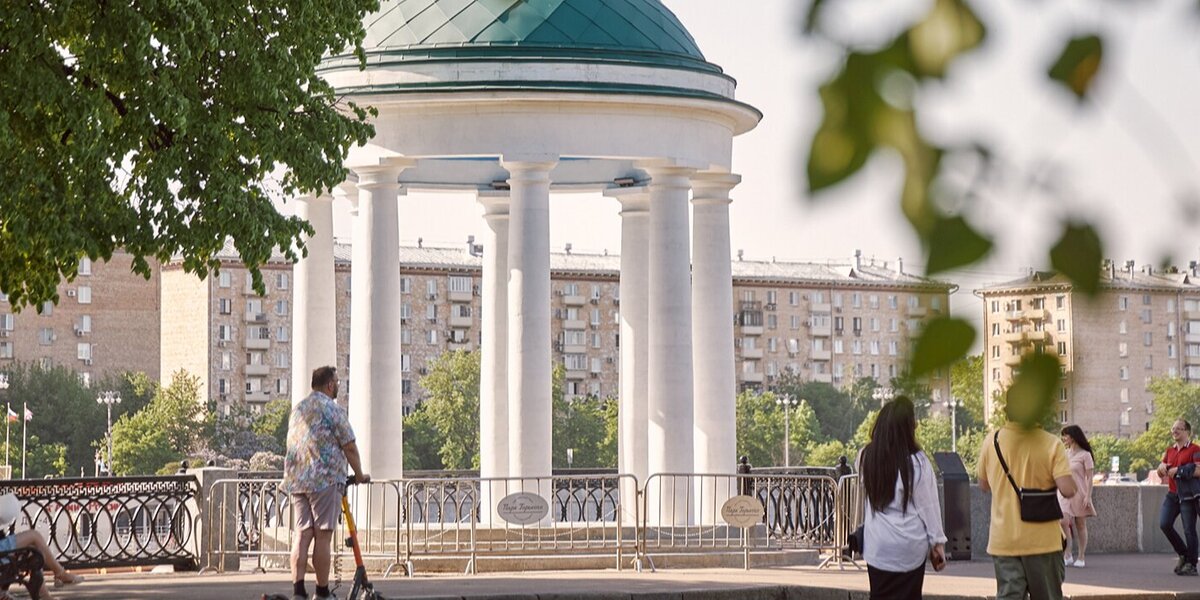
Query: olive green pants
{"points": [[1039, 575]]}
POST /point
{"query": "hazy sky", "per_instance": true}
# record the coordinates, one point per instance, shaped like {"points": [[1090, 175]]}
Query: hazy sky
{"points": [[1123, 160]]}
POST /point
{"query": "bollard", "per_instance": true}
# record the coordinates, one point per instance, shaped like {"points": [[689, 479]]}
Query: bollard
{"points": [[956, 504], [745, 484]]}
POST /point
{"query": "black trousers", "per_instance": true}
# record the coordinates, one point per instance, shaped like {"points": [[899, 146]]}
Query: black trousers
{"points": [[889, 585]]}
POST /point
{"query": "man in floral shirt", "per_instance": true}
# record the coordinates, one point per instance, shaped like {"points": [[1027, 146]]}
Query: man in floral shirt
{"points": [[319, 446]]}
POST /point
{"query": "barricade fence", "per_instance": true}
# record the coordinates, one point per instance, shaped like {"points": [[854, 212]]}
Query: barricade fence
{"points": [[468, 518]]}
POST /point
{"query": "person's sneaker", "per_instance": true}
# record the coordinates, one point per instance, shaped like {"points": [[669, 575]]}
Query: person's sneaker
{"points": [[1078, 563], [1179, 564], [1188, 570]]}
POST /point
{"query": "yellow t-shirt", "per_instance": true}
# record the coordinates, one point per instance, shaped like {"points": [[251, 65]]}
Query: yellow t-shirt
{"points": [[1035, 458]]}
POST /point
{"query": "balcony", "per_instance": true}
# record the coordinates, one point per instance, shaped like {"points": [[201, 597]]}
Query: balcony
{"points": [[259, 396], [822, 354], [1191, 315], [577, 375], [463, 345], [574, 349], [1192, 338], [1015, 315], [574, 324], [574, 300], [1191, 360], [256, 317], [752, 329], [1037, 314], [751, 377], [821, 307], [1014, 337], [917, 311], [459, 296], [1012, 360], [1037, 336], [752, 352], [253, 343], [259, 370], [823, 377], [821, 330], [460, 322]]}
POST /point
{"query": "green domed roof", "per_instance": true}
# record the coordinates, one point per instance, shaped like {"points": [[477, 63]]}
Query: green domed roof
{"points": [[629, 31]]}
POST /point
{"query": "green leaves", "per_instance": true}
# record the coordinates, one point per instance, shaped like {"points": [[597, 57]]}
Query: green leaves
{"points": [[1078, 64], [154, 127], [1078, 254], [944, 341], [948, 30], [954, 243], [1030, 399]]}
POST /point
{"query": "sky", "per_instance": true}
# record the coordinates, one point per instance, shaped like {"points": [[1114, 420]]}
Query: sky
{"points": [[1123, 160]]}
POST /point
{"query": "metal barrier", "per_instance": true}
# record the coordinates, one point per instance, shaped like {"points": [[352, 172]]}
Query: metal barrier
{"points": [[111, 521], [458, 518], [849, 517], [261, 515], [682, 513]]}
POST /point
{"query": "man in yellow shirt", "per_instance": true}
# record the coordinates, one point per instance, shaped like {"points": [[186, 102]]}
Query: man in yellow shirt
{"points": [[1028, 557]]}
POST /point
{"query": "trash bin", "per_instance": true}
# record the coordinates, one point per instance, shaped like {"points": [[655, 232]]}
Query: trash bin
{"points": [[956, 504]]}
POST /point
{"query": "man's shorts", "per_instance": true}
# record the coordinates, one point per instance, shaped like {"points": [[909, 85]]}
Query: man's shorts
{"points": [[320, 509]]}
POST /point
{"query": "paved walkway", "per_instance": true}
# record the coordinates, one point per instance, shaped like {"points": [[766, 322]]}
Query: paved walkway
{"points": [[1140, 576]]}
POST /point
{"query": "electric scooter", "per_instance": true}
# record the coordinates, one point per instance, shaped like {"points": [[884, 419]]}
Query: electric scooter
{"points": [[360, 588]]}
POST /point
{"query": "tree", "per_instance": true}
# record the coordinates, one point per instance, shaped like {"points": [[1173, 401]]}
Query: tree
{"points": [[966, 386], [933, 434], [584, 425], [63, 412], [421, 441], [452, 407], [273, 421], [838, 412], [154, 128], [827, 454], [760, 429], [166, 430]]}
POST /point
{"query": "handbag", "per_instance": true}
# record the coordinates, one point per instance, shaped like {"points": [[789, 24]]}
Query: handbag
{"points": [[856, 541], [1037, 506]]}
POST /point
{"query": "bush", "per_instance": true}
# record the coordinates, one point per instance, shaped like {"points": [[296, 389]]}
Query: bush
{"points": [[266, 461]]}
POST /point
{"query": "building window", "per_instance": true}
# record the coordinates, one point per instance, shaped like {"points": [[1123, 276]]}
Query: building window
{"points": [[85, 294], [856, 300], [748, 296], [893, 301], [281, 282], [6, 322], [405, 363], [281, 334], [406, 285], [85, 266], [6, 349], [894, 325], [875, 347], [995, 306], [46, 336], [1059, 302], [47, 308], [795, 322], [772, 321], [873, 301], [1146, 299], [281, 307], [224, 333], [1124, 373], [226, 361], [406, 336], [819, 298], [225, 306], [575, 362], [460, 284], [1123, 303], [794, 298], [595, 320], [84, 325], [1146, 315], [431, 337], [1122, 328], [406, 387], [225, 279], [1062, 348], [771, 297], [856, 324], [893, 348], [1147, 339], [281, 360], [431, 288], [1170, 350], [838, 347], [83, 351], [1122, 349], [995, 329], [874, 324], [595, 340], [1062, 394], [773, 343]]}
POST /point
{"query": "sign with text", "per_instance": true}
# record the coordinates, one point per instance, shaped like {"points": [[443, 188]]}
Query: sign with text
{"points": [[742, 511], [522, 508]]}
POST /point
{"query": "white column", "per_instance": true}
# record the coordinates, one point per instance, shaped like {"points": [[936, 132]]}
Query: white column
{"points": [[712, 336], [314, 310], [669, 360], [493, 348], [529, 368], [376, 405], [631, 430], [631, 442]]}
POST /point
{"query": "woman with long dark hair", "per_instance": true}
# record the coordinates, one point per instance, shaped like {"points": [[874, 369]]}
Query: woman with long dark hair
{"points": [[903, 524], [1078, 508]]}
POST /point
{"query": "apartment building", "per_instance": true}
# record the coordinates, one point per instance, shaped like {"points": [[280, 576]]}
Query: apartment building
{"points": [[1144, 323], [831, 322], [106, 321], [826, 322]]}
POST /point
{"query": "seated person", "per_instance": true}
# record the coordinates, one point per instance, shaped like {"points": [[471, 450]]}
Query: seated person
{"points": [[10, 509]]}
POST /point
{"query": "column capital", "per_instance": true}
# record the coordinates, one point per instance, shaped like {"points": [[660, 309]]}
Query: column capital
{"points": [[383, 174], [529, 168], [495, 203], [635, 201], [713, 188], [668, 174]]}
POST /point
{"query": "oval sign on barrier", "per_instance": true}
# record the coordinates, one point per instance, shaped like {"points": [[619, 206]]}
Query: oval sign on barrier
{"points": [[522, 508], [742, 511]]}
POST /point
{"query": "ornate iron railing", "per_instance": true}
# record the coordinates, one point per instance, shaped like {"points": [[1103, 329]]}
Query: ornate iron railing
{"points": [[799, 509], [111, 521], [260, 503], [575, 498]]}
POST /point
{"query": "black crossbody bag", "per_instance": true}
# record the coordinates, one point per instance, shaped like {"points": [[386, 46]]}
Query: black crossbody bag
{"points": [[1037, 506]]}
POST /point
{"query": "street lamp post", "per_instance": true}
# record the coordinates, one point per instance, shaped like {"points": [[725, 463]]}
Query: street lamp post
{"points": [[108, 399], [7, 421], [882, 394], [954, 403], [787, 401]]}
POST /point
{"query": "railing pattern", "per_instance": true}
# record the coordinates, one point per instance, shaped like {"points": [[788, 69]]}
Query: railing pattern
{"points": [[112, 521]]}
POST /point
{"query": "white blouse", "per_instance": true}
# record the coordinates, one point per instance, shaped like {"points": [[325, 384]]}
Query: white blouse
{"points": [[900, 541]]}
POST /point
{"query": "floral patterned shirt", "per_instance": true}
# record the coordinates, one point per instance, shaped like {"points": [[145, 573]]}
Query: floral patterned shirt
{"points": [[317, 430]]}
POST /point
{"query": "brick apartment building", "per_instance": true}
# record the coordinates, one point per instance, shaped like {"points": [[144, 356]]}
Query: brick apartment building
{"points": [[826, 322], [1144, 323], [106, 321]]}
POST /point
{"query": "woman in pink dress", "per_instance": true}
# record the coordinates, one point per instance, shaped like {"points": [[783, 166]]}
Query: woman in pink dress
{"points": [[1077, 508]]}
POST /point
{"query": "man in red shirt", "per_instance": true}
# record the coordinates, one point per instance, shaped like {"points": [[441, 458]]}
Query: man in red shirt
{"points": [[1180, 453]]}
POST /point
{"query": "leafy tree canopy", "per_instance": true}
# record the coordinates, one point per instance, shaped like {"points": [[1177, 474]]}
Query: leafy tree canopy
{"points": [[165, 430], [154, 127]]}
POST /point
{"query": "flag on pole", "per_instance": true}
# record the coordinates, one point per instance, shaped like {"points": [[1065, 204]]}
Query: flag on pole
{"points": [[28, 414], [12, 416]]}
